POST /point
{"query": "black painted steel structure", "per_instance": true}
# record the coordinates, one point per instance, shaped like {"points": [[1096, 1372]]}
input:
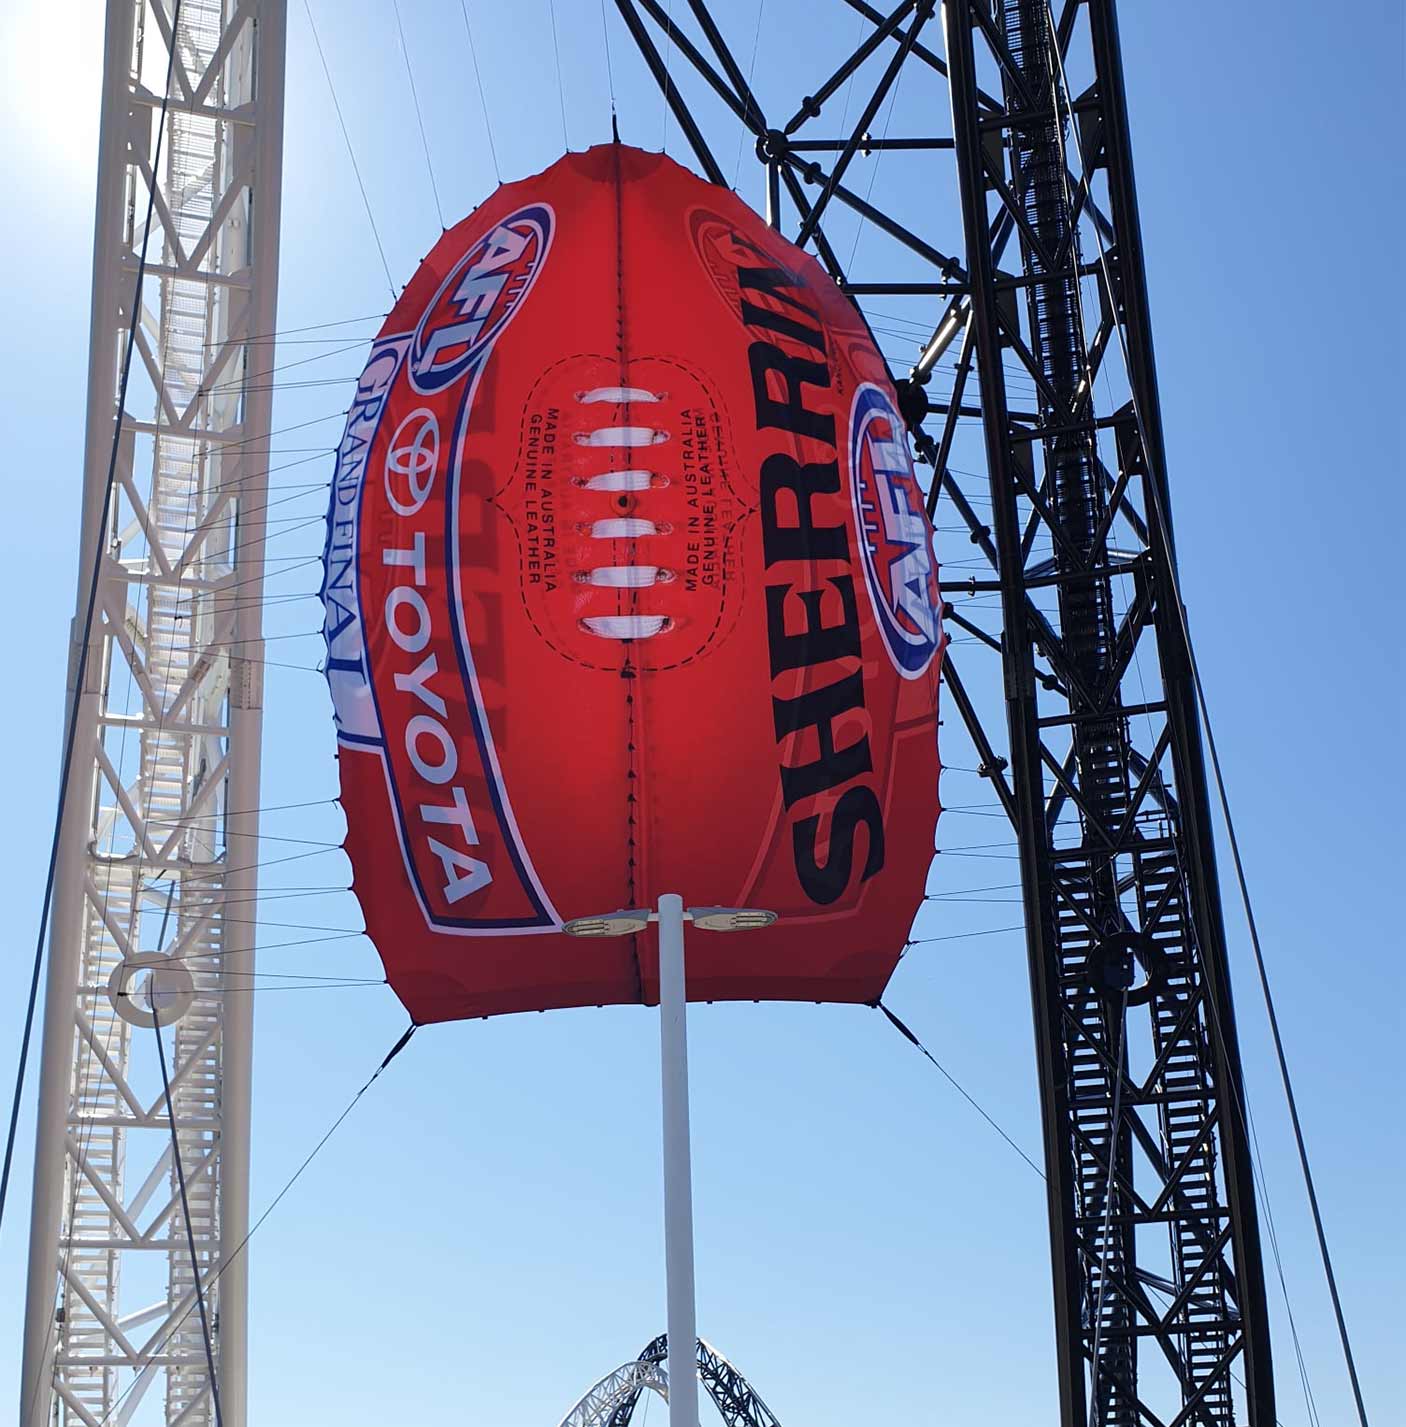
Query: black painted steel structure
{"points": [[1016, 234]]}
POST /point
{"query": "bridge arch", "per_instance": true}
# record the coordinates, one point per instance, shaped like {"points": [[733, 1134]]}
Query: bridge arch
{"points": [[611, 1402]]}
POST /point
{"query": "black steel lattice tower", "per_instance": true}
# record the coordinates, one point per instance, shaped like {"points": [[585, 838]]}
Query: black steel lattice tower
{"points": [[1160, 1310]]}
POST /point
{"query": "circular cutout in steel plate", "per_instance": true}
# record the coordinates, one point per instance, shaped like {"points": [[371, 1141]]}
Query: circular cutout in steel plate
{"points": [[165, 994]]}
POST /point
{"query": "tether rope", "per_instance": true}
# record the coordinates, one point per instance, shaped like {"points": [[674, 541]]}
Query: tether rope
{"points": [[297, 1174], [874, 172], [483, 102], [609, 66], [751, 73], [561, 88], [961, 1090], [419, 117], [351, 152], [185, 1205], [278, 333]]}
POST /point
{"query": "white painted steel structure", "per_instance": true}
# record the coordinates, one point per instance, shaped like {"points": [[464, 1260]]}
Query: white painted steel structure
{"points": [[623, 1385], [159, 841]]}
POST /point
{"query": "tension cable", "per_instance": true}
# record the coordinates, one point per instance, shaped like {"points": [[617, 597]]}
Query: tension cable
{"points": [[297, 1174], [947, 1075], [483, 102], [185, 1210], [609, 67], [419, 117], [561, 86], [351, 152]]}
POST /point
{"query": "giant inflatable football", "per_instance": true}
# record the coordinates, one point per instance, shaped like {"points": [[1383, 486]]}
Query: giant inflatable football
{"points": [[629, 590]]}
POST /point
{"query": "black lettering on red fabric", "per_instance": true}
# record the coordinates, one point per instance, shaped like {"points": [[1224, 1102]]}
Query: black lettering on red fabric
{"points": [[771, 278], [812, 616], [771, 321], [789, 411], [804, 540], [825, 882], [816, 642], [818, 709]]}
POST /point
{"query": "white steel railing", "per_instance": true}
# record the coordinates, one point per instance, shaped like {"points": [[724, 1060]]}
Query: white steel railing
{"points": [[160, 825]]}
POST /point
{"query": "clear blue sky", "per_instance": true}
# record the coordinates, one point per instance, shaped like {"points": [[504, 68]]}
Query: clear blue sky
{"points": [[482, 1238]]}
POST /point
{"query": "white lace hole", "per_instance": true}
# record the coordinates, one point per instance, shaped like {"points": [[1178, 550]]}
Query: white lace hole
{"points": [[620, 577], [618, 395], [621, 528], [621, 481], [621, 437], [627, 626]]}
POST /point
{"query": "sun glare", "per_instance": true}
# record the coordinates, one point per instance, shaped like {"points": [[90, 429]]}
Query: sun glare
{"points": [[53, 62]]}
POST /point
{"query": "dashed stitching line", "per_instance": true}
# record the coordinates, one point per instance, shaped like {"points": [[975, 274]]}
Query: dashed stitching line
{"points": [[626, 673]]}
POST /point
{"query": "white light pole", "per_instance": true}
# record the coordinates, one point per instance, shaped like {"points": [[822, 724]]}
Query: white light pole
{"points": [[673, 1069], [681, 1316]]}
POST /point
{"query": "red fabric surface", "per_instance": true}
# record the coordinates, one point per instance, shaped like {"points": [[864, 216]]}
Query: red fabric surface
{"points": [[505, 768]]}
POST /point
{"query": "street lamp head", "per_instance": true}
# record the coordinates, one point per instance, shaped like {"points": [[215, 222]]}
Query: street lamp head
{"points": [[636, 919], [633, 919], [731, 919]]}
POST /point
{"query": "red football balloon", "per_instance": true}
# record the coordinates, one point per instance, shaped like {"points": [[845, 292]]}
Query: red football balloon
{"points": [[629, 590]]}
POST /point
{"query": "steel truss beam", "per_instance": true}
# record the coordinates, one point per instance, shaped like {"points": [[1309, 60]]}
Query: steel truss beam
{"points": [[160, 833], [1036, 296]]}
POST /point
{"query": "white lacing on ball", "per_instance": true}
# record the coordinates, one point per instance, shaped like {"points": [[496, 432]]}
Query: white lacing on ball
{"points": [[621, 436], [617, 395], [628, 576], [625, 577], [623, 481], [626, 626], [627, 527]]}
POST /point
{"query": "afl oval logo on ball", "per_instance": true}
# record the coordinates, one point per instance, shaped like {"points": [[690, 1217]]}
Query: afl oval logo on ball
{"points": [[478, 298], [894, 534]]}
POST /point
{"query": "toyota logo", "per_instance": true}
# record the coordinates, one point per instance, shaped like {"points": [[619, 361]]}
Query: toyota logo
{"points": [[412, 461]]}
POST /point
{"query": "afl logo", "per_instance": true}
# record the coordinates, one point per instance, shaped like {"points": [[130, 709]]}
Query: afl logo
{"points": [[412, 461], [478, 299], [894, 533]]}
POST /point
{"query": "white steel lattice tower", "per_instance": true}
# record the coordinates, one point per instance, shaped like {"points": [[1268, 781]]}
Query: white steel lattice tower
{"points": [[159, 840]]}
